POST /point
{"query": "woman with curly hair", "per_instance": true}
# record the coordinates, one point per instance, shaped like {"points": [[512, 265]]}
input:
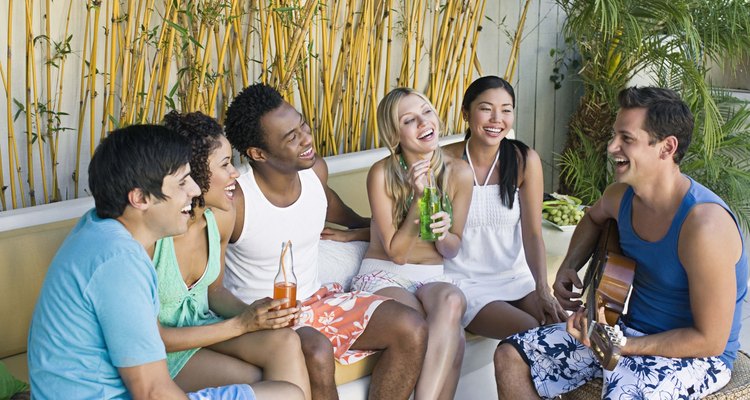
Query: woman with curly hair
{"points": [[398, 263], [211, 337]]}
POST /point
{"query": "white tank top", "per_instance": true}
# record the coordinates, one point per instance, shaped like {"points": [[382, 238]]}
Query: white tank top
{"points": [[253, 260]]}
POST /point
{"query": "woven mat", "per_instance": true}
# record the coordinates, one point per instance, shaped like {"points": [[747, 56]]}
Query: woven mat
{"points": [[737, 388]]}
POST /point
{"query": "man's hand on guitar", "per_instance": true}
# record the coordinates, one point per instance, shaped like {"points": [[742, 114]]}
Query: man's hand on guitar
{"points": [[548, 309], [565, 281], [578, 326], [604, 342]]}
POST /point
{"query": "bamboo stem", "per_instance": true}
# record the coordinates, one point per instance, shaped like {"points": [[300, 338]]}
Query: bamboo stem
{"points": [[222, 54], [109, 85], [13, 152], [28, 108], [51, 139], [166, 63]]}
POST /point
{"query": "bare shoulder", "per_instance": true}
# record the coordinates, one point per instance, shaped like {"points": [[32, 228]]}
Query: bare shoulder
{"points": [[320, 167], [458, 169], [377, 171], [608, 206], [532, 157], [455, 150], [710, 222], [225, 222]]}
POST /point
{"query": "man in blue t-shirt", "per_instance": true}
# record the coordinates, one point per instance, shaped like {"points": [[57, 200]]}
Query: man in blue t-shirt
{"points": [[94, 332], [681, 330]]}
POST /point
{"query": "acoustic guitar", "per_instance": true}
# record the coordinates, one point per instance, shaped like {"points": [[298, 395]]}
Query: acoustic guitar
{"points": [[608, 280]]}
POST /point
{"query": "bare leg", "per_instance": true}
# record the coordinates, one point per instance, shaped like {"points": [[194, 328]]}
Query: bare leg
{"points": [[501, 319], [272, 390], [208, 368], [284, 361], [512, 375], [444, 304], [318, 353], [402, 335]]}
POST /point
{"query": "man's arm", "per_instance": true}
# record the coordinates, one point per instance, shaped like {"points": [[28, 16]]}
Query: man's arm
{"points": [[709, 247], [151, 381], [338, 212], [582, 243]]}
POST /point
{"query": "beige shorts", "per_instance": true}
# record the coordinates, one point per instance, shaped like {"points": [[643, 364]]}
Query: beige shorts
{"points": [[377, 274]]}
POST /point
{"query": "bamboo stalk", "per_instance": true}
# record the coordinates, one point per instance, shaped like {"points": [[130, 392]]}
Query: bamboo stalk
{"points": [[35, 97], [222, 54], [166, 64], [50, 107], [510, 70], [110, 56], [13, 152], [388, 48], [473, 57], [58, 103], [240, 50], [92, 77], [138, 103], [297, 42], [29, 129], [419, 16], [2, 175], [83, 100], [126, 49]]}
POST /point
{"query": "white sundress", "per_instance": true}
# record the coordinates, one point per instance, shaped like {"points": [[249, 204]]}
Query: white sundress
{"points": [[491, 264]]}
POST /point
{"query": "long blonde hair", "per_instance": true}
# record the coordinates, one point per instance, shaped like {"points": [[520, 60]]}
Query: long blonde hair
{"points": [[397, 186]]}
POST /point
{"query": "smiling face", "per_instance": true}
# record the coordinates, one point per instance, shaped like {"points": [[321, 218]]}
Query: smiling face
{"points": [[288, 138], [418, 125], [223, 177], [632, 149], [169, 217], [490, 116]]}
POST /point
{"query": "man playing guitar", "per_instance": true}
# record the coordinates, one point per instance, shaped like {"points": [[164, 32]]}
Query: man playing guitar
{"points": [[683, 320]]}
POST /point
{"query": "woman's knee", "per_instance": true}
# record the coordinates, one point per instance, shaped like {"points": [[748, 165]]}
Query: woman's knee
{"points": [[449, 301], [285, 338], [455, 301]]}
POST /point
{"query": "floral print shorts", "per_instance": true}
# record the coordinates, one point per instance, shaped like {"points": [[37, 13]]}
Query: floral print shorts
{"points": [[341, 316], [560, 364]]}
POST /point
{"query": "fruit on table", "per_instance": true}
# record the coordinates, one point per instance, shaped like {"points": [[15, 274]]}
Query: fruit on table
{"points": [[563, 210]]}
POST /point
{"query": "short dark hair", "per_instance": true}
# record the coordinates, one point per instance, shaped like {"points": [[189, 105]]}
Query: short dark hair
{"points": [[242, 123], [203, 133], [666, 115], [135, 157]]}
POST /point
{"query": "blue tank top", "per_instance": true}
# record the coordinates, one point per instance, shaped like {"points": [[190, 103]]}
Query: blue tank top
{"points": [[660, 300]]}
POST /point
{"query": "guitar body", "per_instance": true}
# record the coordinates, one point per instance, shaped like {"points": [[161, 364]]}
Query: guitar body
{"points": [[614, 286], [608, 281]]}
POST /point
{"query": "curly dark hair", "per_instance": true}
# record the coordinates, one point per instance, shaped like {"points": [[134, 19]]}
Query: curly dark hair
{"points": [[242, 123], [203, 133]]}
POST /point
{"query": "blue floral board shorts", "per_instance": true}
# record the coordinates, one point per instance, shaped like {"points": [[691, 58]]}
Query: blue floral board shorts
{"points": [[559, 364]]}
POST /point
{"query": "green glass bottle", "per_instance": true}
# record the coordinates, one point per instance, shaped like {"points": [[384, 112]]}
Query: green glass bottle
{"points": [[429, 205]]}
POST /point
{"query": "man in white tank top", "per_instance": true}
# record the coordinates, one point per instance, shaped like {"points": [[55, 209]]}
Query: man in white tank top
{"points": [[285, 196]]}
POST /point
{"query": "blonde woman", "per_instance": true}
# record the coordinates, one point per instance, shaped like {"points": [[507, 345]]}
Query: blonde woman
{"points": [[398, 263]]}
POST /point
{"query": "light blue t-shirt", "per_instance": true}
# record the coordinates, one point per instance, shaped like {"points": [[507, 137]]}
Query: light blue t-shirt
{"points": [[97, 311]]}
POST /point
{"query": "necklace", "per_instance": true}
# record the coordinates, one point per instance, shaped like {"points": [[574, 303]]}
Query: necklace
{"points": [[489, 172]]}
